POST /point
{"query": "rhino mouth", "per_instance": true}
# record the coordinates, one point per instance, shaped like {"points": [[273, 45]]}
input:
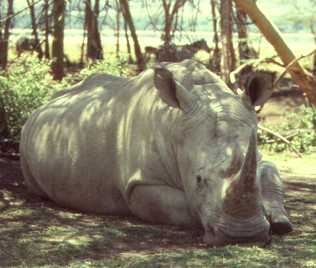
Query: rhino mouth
{"points": [[219, 239], [242, 228], [229, 230], [242, 218]]}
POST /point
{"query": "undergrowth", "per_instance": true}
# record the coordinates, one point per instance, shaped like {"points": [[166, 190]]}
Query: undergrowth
{"points": [[28, 84], [298, 128]]}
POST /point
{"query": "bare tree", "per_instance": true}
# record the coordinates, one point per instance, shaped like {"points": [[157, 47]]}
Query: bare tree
{"points": [[37, 43], [128, 45], [228, 59], [305, 81], [58, 39], [170, 14], [313, 30], [5, 23], [129, 21], [46, 28], [215, 60], [117, 27], [243, 48], [312, 22], [94, 46]]}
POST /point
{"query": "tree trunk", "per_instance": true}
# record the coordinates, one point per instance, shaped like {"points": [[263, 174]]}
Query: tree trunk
{"points": [[4, 129], [314, 65], [94, 46], [5, 34], [168, 23], [215, 60], [82, 46], [37, 44], [47, 29], [305, 81], [128, 45], [117, 28], [170, 14], [128, 18], [228, 59], [313, 30], [58, 39], [243, 48]]}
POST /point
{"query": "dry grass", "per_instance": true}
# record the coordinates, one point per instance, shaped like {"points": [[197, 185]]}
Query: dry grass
{"points": [[37, 233]]}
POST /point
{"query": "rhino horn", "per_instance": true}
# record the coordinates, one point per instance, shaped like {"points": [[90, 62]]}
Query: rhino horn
{"points": [[249, 169], [242, 196]]}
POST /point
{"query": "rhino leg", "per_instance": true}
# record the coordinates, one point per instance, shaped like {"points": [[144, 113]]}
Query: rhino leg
{"points": [[160, 204], [272, 193]]}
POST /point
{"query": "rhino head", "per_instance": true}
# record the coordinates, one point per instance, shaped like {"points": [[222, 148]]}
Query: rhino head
{"points": [[216, 150]]}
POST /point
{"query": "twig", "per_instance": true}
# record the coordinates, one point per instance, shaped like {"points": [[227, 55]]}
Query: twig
{"points": [[277, 80], [20, 11], [270, 60], [267, 60], [281, 138]]}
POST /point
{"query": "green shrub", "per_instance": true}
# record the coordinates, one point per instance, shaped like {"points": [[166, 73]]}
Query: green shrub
{"points": [[26, 85], [299, 128], [111, 65]]}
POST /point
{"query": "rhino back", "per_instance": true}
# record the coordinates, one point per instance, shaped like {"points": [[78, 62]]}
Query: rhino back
{"points": [[74, 146]]}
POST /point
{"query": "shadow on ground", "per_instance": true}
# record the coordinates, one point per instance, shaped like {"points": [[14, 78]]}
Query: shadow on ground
{"points": [[35, 232]]}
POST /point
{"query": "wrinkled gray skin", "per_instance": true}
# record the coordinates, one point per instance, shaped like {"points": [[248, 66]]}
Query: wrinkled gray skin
{"points": [[172, 145]]}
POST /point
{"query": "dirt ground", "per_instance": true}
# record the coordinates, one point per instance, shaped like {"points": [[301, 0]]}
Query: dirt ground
{"points": [[37, 233]]}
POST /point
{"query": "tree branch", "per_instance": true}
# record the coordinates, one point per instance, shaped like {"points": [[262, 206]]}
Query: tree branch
{"points": [[305, 81], [294, 61], [279, 136], [20, 11]]}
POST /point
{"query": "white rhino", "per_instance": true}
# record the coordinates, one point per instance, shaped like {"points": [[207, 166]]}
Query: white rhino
{"points": [[172, 145]]}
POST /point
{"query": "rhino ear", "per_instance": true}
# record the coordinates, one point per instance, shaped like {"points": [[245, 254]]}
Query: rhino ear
{"points": [[171, 91], [259, 87]]}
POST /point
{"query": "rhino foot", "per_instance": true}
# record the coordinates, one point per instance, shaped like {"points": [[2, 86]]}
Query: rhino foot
{"points": [[280, 224]]}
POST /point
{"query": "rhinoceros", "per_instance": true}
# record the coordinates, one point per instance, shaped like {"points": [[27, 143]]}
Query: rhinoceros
{"points": [[172, 145], [25, 43]]}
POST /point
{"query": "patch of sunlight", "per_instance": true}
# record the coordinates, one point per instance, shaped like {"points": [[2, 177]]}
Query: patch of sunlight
{"points": [[17, 212], [17, 202], [7, 195], [81, 240], [308, 264], [69, 215], [287, 162], [97, 237], [59, 233], [115, 233], [309, 229], [9, 227], [82, 263], [296, 213], [142, 255], [255, 252]]}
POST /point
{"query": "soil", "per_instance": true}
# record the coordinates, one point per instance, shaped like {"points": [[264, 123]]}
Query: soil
{"points": [[36, 232]]}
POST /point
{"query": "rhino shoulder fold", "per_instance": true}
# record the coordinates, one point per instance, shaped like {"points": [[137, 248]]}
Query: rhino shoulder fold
{"points": [[92, 81]]}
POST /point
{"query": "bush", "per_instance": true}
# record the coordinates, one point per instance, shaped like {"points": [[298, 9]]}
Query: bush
{"points": [[112, 65], [26, 85], [299, 128]]}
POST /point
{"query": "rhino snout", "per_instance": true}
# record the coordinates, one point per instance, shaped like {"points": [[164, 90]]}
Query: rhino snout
{"points": [[219, 239]]}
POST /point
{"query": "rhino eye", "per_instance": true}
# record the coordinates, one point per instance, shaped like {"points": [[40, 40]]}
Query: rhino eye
{"points": [[198, 179]]}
